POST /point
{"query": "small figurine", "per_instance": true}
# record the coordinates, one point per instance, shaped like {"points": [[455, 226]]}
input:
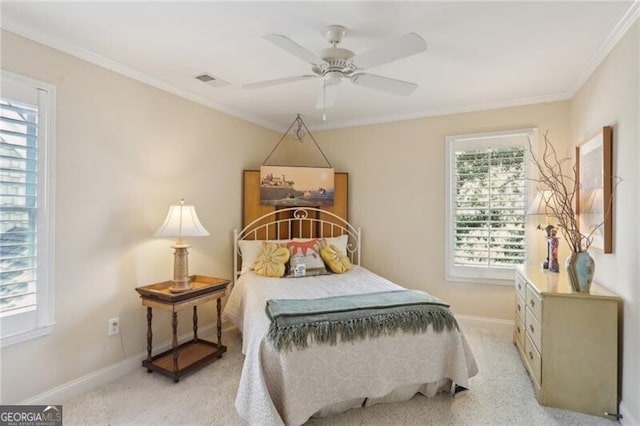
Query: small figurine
{"points": [[552, 251], [551, 262]]}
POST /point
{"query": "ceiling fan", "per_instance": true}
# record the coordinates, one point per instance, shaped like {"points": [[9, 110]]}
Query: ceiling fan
{"points": [[335, 64]]}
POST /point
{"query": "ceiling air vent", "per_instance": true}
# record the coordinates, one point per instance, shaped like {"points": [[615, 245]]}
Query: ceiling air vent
{"points": [[211, 80]]}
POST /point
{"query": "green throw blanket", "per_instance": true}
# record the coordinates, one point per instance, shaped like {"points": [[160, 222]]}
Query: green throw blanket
{"points": [[354, 317]]}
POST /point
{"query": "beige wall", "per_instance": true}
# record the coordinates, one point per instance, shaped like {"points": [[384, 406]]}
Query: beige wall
{"points": [[125, 152], [611, 96], [397, 194]]}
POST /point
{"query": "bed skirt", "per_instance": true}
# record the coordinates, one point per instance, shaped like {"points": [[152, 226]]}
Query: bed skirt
{"points": [[401, 394]]}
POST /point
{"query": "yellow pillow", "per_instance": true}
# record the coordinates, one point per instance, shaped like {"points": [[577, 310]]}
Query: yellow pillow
{"points": [[336, 260], [271, 260]]}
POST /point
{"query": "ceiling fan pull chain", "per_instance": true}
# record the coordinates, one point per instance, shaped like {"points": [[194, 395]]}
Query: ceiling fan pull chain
{"points": [[324, 100]]}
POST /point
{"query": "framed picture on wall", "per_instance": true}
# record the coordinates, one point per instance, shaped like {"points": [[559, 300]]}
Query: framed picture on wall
{"points": [[290, 186], [594, 170]]}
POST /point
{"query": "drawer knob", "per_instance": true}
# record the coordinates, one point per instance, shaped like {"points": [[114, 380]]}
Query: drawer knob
{"points": [[532, 303], [519, 309], [531, 355], [518, 328], [531, 328], [519, 286]]}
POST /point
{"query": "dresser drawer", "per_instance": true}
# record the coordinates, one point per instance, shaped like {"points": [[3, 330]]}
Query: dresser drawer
{"points": [[534, 359], [534, 303], [520, 308], [521, 285], [534, 329], [519, 331]]}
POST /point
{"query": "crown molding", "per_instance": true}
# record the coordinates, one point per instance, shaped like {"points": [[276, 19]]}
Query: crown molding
{"points": [[436, 112], [120, 68], [621, 28]]}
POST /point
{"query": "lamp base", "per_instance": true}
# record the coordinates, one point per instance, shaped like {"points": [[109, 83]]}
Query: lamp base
{"points": [[180, 269], [180, 286], [552, 254]]}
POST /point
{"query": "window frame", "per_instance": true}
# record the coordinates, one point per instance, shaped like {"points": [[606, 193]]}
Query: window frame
{"points": [[477, 274], [23, 326]]}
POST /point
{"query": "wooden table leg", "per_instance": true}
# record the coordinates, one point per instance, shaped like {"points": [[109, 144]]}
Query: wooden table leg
{"points": [[174, 325], [149, 337], [219, 322], [195, 322]]}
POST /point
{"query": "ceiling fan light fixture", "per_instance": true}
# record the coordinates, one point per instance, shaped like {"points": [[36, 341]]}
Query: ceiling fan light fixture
{"points": [[333, 77]]}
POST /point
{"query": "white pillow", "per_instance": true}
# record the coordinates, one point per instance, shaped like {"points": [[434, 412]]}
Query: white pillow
{"points": [[249, 250], [340, 241]]}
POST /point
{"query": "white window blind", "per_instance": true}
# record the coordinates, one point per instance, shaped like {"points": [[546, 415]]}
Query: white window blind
{"points": [[26, 243], [19, 202], [487, 204]]}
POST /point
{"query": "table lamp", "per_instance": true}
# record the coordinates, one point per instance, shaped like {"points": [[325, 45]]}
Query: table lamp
{"points": [[182, 221], [543, 205]]}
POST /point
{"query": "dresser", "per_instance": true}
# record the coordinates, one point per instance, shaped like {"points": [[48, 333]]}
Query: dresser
{"points": [[568, 341]]}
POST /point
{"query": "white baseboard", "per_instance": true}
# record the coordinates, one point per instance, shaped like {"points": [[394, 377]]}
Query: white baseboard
{"points": [[83, 384], [87, 382], [494, 325], [627, 419]]}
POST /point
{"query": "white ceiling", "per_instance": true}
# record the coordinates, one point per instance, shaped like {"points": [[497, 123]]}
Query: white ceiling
{"points": [[480, 54]]}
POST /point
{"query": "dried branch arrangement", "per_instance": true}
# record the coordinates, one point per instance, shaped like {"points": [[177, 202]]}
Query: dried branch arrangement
{"points": [[563, 188]]}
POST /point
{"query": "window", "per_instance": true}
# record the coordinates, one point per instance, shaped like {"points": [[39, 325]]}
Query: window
{"points": [[26, 208], [487, 199]]}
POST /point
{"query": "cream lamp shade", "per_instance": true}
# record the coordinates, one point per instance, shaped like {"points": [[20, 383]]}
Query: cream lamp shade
{"points": [[182, 221], [543, 205]]}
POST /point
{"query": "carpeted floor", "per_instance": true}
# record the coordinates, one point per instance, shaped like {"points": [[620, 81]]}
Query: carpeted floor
{"points": [[501, 394]]}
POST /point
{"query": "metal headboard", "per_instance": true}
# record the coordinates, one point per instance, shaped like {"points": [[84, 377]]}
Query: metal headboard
{"points": [[297, 222]]}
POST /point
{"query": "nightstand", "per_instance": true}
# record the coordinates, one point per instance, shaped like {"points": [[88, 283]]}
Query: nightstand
{"points": [[191, 355]]}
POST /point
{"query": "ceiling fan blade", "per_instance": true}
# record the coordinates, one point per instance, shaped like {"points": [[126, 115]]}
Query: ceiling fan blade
{"points": [[276, 81], [392, 50], [294, 48], [327, 96], [385, 84]]}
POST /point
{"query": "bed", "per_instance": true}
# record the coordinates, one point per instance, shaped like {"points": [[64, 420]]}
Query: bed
{"points": [[290, 386]]}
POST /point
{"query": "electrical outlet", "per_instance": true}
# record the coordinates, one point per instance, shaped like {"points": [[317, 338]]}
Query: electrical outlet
{"points": [[113, 326]]}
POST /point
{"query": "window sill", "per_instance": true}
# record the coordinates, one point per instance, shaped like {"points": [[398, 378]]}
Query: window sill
{"points": [[479, 280], [26, 335]]}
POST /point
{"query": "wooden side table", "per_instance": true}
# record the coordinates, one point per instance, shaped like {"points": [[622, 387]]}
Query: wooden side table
{"points": [[193, 354]]}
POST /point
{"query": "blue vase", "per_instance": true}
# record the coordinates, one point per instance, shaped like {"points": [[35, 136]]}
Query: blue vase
{"points": [[580, 269]]}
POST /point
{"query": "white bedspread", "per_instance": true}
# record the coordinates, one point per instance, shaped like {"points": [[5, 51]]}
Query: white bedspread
{"points": [[289, 387]]}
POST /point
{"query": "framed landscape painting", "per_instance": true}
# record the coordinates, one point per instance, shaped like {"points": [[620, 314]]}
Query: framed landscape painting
{"points": [[288, 186], [594, 170]]}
